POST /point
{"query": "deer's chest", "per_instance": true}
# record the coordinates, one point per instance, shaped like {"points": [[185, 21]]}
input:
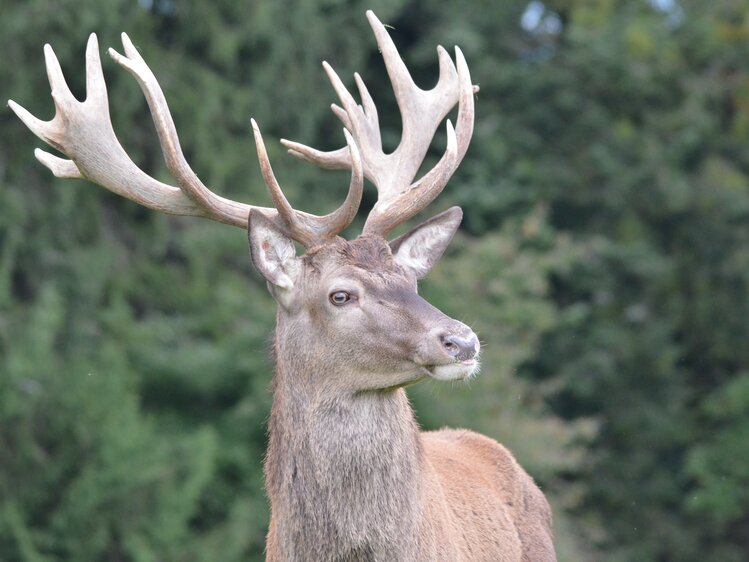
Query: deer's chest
{"points": [[347, 491]]}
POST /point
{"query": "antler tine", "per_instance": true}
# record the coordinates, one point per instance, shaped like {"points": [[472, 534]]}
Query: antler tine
{"points": [[167, 132], [60, 167], [421, 112], [83, 132], [466, 111], [308, 229], [345, 214], [390, 212]]}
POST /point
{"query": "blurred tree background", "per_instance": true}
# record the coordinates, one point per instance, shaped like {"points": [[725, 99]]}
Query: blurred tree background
{"points": [[604, 260]]}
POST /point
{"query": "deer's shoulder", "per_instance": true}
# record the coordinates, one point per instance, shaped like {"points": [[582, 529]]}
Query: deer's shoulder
{"points": [[449, 450], [468, 447]]}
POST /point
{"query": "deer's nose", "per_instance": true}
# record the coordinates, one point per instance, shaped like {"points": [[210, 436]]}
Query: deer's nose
{"points": [[462, 348]]}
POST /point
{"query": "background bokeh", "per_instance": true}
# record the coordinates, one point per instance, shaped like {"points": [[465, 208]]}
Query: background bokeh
{"points": [[603, 259]]}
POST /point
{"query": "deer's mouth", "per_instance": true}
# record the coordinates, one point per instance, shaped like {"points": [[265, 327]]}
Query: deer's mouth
{"points": [[454, 371]]}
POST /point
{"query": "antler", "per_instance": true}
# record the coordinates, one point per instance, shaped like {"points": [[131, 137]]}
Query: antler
{"points": [[83, 132], [421, 112]]}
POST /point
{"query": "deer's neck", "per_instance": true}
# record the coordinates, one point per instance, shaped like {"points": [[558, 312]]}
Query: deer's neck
{"points": [[341, 469]]}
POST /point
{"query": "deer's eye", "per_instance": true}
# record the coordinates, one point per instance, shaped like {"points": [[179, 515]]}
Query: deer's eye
{"points": [[340, 297]]}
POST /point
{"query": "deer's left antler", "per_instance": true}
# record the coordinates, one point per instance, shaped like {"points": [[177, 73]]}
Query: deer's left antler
{"points": [[421, 112]]}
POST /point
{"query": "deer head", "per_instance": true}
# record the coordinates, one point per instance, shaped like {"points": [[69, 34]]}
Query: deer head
{"points": [[360, 297], [355, 307], [354, 303]]}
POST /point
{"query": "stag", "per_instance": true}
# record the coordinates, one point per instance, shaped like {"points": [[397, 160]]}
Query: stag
{"points": [[349, 475]]}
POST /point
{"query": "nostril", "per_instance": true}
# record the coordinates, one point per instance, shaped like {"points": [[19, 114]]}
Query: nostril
{"points": [[450, 345], [461, 348]]}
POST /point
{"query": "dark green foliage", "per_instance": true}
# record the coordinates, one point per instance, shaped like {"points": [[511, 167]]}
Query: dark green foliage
{"points": [[653, 180], [604, 258]]}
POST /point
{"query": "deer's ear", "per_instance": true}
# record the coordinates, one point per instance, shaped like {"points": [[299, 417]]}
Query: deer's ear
{"points": [[422, 247], [273, 254]]}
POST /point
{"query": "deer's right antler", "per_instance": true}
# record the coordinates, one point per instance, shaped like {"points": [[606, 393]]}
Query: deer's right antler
{"points": [[83, 131]]}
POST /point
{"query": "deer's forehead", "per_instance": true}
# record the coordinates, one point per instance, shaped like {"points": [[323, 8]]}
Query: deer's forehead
{"points": [[372, 278], [366, 254], [369, 262]]}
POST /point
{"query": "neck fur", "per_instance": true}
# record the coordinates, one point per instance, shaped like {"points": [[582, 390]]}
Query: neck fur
{"points": [[341, 470]]}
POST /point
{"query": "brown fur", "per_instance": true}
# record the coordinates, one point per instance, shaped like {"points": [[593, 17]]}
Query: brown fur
{"points": [[348, 473]]}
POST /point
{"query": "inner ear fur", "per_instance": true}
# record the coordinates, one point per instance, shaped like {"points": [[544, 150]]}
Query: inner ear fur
{"points": [[423, 246], [272, 252]]}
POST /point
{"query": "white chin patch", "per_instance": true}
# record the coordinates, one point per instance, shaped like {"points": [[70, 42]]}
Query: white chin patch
{"points": [[455, 371]]}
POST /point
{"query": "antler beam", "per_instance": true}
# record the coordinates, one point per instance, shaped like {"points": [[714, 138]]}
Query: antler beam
{"points": [[83, 132]]}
